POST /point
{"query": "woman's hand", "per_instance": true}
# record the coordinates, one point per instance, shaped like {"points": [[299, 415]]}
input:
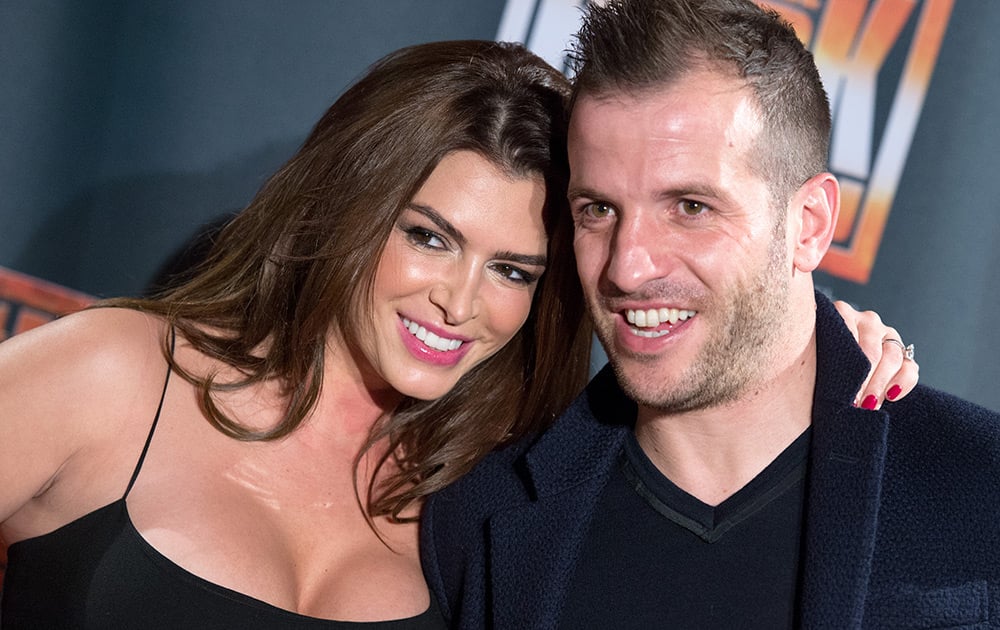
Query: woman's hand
{"points": [[893, 375]]}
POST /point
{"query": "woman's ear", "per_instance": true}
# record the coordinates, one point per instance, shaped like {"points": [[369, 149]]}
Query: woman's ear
{"points": [[817, 205]]}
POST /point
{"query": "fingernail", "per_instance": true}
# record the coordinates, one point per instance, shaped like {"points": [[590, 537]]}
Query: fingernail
{"points": [[869, 402], [893, 392]]}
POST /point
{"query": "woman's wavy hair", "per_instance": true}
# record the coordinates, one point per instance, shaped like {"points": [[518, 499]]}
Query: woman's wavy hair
{"points": [[295, 269]]}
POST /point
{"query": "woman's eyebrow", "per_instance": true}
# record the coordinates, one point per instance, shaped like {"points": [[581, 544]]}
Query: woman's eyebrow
{"points": [[522, 259], [438, 220]]}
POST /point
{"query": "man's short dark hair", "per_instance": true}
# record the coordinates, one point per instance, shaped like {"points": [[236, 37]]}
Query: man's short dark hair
{"points": [[634, 46]]}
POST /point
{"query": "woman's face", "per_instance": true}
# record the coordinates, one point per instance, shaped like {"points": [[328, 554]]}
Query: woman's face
{"points": [[456, 278]]}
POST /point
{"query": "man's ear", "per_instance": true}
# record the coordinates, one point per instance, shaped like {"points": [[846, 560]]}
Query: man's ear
{"points": [[817, 203]]}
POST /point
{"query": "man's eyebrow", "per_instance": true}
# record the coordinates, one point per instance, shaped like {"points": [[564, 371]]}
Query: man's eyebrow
{"points": [[675, 191], [580, 192], [696, 189], [456, 234]]}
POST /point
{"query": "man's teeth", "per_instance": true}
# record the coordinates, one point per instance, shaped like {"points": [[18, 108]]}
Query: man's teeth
{"points": [[441, 344], [654, 317]]}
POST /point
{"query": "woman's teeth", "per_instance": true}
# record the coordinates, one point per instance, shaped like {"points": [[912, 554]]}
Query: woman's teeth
{"points": [[441, 344]]}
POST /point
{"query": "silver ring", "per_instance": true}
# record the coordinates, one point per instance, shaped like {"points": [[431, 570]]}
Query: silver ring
{"points": [[907, 350], [895, 341]]}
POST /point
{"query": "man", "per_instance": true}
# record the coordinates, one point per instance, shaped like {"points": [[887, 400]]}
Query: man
{"points": [[720, 476]]}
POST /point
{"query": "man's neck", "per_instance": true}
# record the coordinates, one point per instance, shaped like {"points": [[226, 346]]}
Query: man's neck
{"points": [[712, 453]]}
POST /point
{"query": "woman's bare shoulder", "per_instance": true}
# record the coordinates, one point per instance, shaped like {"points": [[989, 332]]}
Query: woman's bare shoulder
{"points": [[73, 387], [90, 349]]}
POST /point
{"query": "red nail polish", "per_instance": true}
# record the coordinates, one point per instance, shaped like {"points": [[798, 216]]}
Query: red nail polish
{"points": [[893, 392], [869, 402]]}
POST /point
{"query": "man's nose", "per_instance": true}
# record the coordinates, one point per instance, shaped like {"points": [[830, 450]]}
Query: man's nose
{"points": [[638, 254]]}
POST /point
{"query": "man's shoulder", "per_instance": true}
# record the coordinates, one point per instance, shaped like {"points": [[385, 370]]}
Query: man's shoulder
{"points": [[927, 407], [575, 447], [495, 481], [938, 503], [956, 432]]}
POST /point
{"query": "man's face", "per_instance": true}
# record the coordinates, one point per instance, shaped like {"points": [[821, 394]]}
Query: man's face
{"points": [[683, 259]]}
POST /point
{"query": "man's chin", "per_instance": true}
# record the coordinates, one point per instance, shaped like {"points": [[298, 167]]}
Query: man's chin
{"points": [[667, 392], [644, 383]]}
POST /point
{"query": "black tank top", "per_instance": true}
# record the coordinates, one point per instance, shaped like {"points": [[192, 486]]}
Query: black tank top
{"points": [[98, 572]]}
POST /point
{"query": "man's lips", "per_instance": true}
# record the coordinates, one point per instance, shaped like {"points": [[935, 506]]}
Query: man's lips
{"points": [[653, 323], [653, 317]]}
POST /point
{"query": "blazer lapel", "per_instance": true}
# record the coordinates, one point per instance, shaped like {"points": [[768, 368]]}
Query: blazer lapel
{"points": [[533, 548], [845, 484], [533, 553]]}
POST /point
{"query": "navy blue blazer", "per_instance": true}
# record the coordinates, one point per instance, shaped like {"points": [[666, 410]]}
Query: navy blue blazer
{"points": [[902, 517]]}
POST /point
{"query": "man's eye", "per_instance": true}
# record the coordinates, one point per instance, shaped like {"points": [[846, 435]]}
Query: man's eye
{"points": [[693, 208], [598, 210]]}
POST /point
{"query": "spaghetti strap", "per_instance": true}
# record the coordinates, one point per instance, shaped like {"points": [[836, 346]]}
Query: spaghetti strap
{"points": [[156, 418]]}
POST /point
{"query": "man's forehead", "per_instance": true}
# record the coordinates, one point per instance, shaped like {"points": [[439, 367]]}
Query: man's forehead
{"points": [[703, 103], [707, 77]]}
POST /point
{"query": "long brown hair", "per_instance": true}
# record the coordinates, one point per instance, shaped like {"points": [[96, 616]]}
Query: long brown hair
{"points": [[299, 262]]}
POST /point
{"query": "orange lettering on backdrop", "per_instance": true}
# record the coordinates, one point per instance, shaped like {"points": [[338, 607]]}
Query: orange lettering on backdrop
{"points": [[850, 40]]}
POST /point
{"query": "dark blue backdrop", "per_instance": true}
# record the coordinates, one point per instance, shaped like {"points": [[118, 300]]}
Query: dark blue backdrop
{"points": [[126, 126]]}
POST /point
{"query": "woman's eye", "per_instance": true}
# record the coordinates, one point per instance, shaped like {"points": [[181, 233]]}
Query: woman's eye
{"points": [[693, 208], [514, 274], [424, 238]]}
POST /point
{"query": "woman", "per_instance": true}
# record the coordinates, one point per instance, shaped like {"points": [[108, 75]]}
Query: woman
{"points": [[373, 323]]}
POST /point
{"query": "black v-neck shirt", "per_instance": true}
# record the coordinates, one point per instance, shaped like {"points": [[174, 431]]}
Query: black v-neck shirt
{"points": [[657, 557]]}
